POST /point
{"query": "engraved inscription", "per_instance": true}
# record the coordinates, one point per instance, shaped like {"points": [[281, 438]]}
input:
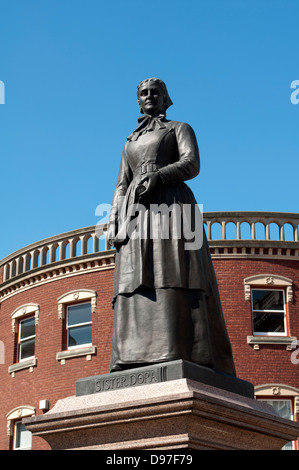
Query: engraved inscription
{"points": [[128, 380]]}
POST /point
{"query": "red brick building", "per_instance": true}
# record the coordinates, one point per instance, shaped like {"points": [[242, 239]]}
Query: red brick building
{"points": [[56, 314]]}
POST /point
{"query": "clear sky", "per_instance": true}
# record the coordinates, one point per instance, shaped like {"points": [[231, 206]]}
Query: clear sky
{"points": [[70, 70]]}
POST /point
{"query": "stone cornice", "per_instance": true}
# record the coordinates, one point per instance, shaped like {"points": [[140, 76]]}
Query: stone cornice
{"points": [[80, 265]]}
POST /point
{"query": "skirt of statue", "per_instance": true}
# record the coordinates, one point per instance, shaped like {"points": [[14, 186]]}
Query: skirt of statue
{"points": [[158, 325], [165, 296], [161, 240]]}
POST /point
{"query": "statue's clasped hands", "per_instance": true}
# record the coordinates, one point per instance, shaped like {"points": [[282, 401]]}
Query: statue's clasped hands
{"points": [[147, 183]]}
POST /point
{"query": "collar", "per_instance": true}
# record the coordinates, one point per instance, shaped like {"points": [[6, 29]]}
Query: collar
{"points": [[147, 123]]}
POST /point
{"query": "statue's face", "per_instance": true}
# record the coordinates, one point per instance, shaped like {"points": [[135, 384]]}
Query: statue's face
{"points": [[151, 98]]}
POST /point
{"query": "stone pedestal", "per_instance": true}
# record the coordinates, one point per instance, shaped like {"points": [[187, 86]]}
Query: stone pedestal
{"points": [[180, 413]]}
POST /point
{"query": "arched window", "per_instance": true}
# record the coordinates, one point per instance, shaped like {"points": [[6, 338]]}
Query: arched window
{"points": [[285, 401], [16, 429]]}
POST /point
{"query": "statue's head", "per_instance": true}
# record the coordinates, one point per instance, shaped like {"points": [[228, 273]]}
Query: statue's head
{"points": [[153, 97]]}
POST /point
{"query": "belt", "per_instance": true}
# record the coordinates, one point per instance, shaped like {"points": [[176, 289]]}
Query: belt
{"points": [[146, 168]]}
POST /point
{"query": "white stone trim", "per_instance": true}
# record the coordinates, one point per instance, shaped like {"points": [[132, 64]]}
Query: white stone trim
{"points": [[17, 414], [268, 281], [101, 261], [255, 341], [22, 312], [69, 354], [26, 364], [76, 295], [278, 390]]}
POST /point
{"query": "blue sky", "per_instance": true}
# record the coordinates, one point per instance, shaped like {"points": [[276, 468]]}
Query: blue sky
{"points": [[71, 68]]}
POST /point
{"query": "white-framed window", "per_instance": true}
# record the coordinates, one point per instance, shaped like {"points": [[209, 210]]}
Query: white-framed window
{"points": [[22, 437], [268, 312], [285, 401], [24, 321], [284, 408], [75, 309], [26, 338], [79, 325], [270, 296]]}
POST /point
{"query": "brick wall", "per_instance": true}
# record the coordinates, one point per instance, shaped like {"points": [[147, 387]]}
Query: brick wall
{"points": [[271, 363], [50, 380]]}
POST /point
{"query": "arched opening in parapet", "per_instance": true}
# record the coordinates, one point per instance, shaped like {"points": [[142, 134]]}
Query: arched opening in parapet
{"points": [[28, 262], [45, 256], [13, 269], [56, 253], [38, 257], [231, 231], [7, 272], [216, 231], [245, 231], [89, 245], [260, 231], [67, 250], [77, 251], [102, 244], [288, 232], [274, 231], [100, 238]]}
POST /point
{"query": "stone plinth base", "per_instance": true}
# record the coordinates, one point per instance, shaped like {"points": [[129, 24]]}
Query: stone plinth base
{"points": [[163, 372], [167, 415]]}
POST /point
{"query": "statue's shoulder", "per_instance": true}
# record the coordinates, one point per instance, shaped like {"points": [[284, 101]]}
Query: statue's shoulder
{"points": [[180, 126]]}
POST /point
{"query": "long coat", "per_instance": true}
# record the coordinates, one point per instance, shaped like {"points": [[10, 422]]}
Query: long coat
{"points": [[166, 301]]}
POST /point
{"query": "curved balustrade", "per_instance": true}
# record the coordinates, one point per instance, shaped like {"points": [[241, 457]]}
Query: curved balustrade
{"points": [[240, 229], [55, 249], [245, 225]]}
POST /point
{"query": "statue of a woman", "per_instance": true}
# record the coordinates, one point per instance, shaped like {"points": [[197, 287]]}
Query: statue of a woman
{"points": [[166, 300]]}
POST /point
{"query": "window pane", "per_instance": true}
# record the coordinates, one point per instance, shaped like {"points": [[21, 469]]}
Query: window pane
{"points": [[79, 335], [23, 437], [267, 300], [27, 349], [78, 314], [268, 322], [27, 327], [288, 446], [284, 409]]}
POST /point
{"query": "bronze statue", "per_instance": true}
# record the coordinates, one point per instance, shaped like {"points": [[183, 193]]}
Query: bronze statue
{"points": [[166, 300]]}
